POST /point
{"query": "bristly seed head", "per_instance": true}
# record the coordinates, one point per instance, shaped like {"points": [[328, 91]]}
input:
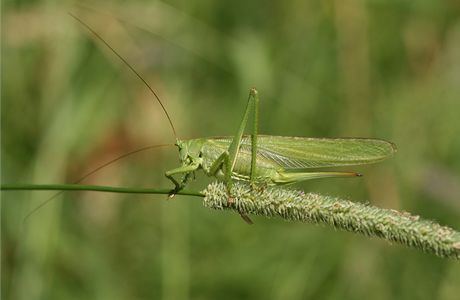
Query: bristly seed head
{"points": [[295, 205]]}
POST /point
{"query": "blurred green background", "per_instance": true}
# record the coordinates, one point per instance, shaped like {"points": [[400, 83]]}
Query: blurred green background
{"points": [[384, 69]]}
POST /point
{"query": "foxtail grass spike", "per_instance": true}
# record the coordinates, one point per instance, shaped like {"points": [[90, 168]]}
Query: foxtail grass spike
{"points": [[295, 205]]}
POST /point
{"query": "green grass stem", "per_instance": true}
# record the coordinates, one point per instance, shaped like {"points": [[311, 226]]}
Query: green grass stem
{"points": [[93, 188]]}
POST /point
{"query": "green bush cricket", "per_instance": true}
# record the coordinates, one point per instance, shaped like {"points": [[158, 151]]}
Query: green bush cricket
{"points": [[272, 160], [264, 159]]}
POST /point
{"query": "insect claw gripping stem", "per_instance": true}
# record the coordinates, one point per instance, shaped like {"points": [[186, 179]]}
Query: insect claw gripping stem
{"points": [[172, 194], [175, 190]]}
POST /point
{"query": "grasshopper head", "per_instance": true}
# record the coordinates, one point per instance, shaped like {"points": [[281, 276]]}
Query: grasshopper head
{"points": [[183, 150], [189, 151]]}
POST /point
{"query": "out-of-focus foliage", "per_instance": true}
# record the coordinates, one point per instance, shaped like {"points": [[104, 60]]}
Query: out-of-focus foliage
{"points": [[384, 69]]}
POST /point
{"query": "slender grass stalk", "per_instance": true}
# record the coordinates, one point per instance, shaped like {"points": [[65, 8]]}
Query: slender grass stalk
{"points": [[295, 205], [94, 188]]}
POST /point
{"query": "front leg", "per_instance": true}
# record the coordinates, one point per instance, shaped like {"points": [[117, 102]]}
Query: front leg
{"points": [[187, 170]]}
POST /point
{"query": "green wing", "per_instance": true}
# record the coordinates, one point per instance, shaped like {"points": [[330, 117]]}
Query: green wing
{"points": [[302, 153]]}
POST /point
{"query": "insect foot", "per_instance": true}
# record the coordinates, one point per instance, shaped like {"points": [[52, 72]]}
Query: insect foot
{"points": [[174, 192]]}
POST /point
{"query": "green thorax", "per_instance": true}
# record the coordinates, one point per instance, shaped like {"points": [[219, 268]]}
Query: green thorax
{"points": [[206, 151]]}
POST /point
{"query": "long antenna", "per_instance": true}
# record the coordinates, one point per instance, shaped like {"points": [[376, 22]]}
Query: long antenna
{"points": [[91, 173], [129, 66]]}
